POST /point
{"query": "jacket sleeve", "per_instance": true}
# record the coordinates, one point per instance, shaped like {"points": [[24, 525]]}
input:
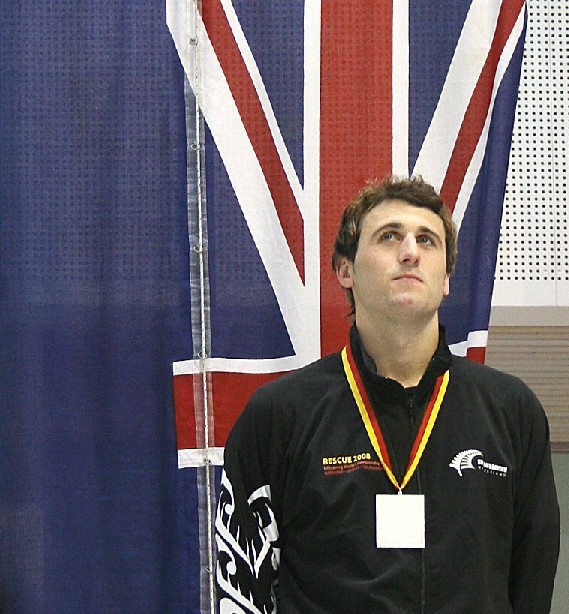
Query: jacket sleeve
{"points": [[535, 543], [246, 528]]}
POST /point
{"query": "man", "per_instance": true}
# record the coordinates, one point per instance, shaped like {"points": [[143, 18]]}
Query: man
{"points": [[393, 476]]}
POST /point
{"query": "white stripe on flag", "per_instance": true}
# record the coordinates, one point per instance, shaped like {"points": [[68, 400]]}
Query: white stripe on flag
{"points": [[467, 63], [200, 458], [299, 303], [400, 88], [257, 80], [476, 339], [478, 157]]}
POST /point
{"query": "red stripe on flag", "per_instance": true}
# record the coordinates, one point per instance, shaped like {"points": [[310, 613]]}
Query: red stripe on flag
{"points": [[477, 111], [476, 354], [185, 416], [256, 126], [231, 391], [355, 130]]}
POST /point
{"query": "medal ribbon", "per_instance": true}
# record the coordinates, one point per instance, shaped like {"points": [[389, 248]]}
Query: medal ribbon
{"points": [[372, 426]]}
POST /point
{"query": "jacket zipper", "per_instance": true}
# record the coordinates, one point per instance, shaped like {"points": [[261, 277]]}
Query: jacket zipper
{"points": [[423, 570], [410, 409]]}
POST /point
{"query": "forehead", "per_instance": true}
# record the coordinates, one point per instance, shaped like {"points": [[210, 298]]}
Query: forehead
{"points": [[401, 213]]}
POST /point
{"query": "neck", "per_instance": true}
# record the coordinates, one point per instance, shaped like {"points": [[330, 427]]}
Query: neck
{"points": [[402, 355]]}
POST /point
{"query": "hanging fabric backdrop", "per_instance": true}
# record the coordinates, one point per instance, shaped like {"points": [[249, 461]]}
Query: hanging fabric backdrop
{"points": [[172, 174]]}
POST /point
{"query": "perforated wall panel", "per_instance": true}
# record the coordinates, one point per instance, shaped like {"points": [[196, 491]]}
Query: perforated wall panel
{"points": [[533, 263]]}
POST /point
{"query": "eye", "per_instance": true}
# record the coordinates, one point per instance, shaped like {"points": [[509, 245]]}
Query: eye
{"points": [[387, 236], [425, 240]]}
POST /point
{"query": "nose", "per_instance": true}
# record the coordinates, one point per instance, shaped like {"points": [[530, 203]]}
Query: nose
{"points": [[408, 251]]}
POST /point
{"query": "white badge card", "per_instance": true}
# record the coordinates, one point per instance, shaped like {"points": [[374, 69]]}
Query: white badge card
{"points": [[400, 521]]}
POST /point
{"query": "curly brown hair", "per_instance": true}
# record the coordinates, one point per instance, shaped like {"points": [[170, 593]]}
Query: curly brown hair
{"points": [[413, 190]]}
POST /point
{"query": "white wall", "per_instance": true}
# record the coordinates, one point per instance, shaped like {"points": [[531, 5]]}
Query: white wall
{"points": [[532, 273]]}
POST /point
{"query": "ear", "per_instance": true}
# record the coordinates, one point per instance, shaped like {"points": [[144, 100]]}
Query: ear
{"points": [[345, 273], [446, 285]]}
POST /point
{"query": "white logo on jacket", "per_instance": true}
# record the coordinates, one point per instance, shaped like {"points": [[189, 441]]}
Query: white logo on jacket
{"points": [[473, 459]]}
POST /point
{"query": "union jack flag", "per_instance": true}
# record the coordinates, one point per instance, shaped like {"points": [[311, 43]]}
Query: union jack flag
{"points": [[292, 107]]}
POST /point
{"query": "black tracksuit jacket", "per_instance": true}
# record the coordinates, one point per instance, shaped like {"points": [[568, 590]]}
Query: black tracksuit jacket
{"points": [[295, 527]]}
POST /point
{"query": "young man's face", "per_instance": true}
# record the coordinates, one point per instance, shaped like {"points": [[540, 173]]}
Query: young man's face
{"points": [[399, 271]]}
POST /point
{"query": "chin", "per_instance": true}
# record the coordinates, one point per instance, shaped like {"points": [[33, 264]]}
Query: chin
{"points": [[413, 309], [406, 302]]}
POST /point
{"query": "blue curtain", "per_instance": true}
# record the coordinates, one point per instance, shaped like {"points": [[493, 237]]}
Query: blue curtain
{"points": [[94, 307]]}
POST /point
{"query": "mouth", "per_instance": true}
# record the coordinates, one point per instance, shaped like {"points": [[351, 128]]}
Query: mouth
{"points": [[410, 277]]}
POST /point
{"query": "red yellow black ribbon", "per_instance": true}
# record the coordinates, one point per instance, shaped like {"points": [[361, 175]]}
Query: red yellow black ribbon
{"points": [[372, 426]]}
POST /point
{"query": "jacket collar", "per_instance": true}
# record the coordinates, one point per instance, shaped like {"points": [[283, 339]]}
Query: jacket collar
{"points": [[439, 363]]}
